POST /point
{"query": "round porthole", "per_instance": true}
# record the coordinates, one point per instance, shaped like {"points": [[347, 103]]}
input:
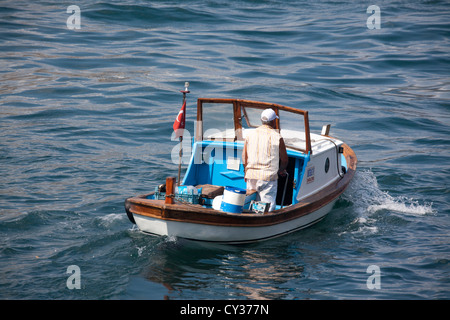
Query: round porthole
{"points": [[327, 165]]}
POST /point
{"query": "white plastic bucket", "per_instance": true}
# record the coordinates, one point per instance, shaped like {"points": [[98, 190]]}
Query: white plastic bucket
{"points": [[233, 200], [217, 202]]}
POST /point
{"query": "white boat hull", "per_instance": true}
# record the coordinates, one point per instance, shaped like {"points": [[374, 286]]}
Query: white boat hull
{"points": [[228, 234]]}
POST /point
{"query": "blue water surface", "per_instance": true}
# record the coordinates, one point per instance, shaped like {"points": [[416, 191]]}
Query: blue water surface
{"points": [[86, 121]]}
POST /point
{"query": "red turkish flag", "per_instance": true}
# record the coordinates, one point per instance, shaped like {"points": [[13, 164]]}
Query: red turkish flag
{"points": [[180, 121]]}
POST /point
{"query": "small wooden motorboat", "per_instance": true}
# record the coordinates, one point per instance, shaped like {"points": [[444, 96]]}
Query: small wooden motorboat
{"points": [[320, 168]]}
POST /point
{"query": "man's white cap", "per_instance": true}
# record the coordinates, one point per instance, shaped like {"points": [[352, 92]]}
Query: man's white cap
{"points": [[268, 115]]}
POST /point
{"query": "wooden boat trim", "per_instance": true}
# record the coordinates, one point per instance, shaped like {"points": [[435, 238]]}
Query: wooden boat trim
{"points": [[190, 213]]}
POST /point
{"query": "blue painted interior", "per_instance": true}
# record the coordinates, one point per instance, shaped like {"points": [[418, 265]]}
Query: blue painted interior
{"points": [[208, 165]]}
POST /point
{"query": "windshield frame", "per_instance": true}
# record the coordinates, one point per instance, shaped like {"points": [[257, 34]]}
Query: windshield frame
{"points": [[240, 113]]}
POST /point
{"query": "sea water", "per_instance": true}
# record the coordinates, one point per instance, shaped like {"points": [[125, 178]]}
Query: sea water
{"points": [[88, 97]]}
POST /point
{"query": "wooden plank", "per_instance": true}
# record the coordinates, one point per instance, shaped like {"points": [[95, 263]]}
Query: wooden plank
{"points": [[307, 133], [170, 190]]}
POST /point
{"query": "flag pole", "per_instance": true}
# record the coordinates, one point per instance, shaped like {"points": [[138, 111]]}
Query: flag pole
{"points": [[186, 85]]}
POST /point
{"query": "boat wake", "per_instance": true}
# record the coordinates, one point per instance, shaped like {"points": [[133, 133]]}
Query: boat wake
{"points": [[109, 220], [368, 200]]}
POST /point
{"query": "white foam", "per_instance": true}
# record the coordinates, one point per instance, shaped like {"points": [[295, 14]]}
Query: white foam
{"points": [[171, 239], [368, 198], [110, 219], [140, 250], [403, 205], [362, 225]]}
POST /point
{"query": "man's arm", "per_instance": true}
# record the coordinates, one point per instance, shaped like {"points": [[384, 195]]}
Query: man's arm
{"points": [[283, 157], [244, 156]]}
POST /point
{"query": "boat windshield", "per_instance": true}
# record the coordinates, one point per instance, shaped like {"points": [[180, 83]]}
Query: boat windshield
{"points": [[291, 125], [251, 117], [292, 129], [228, 120], [218, 121]]}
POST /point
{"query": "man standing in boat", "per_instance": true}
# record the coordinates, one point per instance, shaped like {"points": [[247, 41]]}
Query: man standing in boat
{"points": [[264, 157]]}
